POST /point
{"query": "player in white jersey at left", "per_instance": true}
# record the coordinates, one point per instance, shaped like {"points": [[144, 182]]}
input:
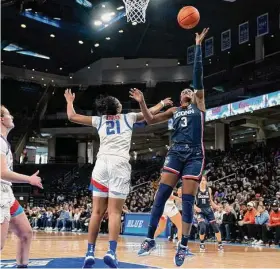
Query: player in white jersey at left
{"points": [[11, 213], [111, 174]]}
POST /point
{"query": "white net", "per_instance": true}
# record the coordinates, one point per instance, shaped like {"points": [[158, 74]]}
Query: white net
{"points": [[136, 10]]}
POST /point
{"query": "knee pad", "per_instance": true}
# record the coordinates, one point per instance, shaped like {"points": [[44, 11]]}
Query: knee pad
{"points": [[215, 227], [187, 206], [202, 228]]}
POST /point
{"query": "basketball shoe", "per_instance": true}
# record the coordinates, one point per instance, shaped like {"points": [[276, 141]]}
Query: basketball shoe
{"points": [[147, 247]]}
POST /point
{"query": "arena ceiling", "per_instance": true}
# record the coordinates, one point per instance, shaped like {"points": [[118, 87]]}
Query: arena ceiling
{"points": [[56, 29]]}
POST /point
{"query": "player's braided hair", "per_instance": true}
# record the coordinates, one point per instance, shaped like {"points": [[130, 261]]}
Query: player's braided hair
{"points": [[107, 105]]}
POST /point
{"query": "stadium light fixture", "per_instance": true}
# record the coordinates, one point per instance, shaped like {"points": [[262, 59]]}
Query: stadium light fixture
{"points": [[52, 35], [60, 68], [23, 26], [96, 45], [81, 42], [120, 8], [120, 31], [108, 38], [107, 16], [134, 23], [97, 22]]}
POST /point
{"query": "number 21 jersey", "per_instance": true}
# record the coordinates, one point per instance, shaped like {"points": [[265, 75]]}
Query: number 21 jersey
{"points": [[115, 133], [188, 126]]}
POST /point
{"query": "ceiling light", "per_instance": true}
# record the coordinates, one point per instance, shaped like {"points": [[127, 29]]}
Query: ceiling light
{"points": [[24, 65], [121, 31], [105, 25], [249, 45], [88, 67], [52, 80], [108, 38], [60, 68], [228, 52], [33, 69], [147, 64], [23, 26], [107, 16], [120, 8], [56, 18], [45, 85], [52, 35], [32, 77], [96, 45], [178, 63], [2, 61], [103, 6], [42, 78], [117, 66], [97, 23], [47, 70], [272, 36], [71, 77], [81, 42], [134, 23], [28, 9]]}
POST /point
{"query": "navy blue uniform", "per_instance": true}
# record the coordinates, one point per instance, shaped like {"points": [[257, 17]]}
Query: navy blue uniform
{"points": [[185, 157], [203, 202]]}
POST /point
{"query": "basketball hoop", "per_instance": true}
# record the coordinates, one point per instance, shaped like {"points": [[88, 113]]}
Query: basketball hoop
{"points": [[136, 10]]}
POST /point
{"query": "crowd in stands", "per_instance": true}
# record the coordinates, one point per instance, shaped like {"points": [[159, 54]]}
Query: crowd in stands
{"points": [[245, 186]]}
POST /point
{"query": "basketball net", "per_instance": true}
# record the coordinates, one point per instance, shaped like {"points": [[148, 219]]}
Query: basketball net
{"points": [[136, 10]]}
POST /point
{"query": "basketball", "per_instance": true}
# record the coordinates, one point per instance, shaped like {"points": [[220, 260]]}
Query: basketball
{"points": [[188, 17]]}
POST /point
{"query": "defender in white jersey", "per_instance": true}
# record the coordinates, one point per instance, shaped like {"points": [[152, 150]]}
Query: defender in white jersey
{"points": [[11, 212], [111, 174]]}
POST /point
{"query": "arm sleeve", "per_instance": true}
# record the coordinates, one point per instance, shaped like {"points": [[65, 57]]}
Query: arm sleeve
{"points": [[198, 69]]}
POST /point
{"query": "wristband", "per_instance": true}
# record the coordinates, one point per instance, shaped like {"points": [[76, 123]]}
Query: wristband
{"points": [[162, 103]]}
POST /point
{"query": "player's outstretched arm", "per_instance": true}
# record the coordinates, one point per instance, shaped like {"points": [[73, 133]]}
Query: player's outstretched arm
{"points": [[14, 177], [198, 71], [149, 117], [213, 204], [71, 114]]}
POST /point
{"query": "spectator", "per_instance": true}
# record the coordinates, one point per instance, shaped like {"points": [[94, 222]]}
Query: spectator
{"points": [[274, 222], [228, 224], [261, 219]]}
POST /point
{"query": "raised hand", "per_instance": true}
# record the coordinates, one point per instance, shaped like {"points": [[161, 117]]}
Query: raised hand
{"points": [[199, 37], [167, 101], [34, 180], [137, 95], [69, 96]]}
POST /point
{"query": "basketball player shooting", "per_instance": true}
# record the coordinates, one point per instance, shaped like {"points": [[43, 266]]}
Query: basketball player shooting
{"points": [[111, 174], [185, 157]]}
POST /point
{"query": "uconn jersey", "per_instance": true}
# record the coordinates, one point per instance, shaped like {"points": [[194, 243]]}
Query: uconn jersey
{"points": [[188, 125], [111, 174], [186, 155], [203, 202]]}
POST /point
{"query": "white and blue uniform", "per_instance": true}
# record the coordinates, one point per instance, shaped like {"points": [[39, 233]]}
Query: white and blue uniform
{"points": [[111, 174]]}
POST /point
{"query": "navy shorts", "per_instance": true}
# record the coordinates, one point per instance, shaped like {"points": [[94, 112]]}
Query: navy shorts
{"points": [[206, 214], [184, 161]]}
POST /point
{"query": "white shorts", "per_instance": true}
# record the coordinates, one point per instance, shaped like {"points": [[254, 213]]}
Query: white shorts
{"points": [[111, 177], [170, 211], [7, 199]]}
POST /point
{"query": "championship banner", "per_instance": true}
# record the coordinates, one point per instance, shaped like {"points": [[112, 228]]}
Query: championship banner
{"points": [[190, 54], [243, 32], [262, 25], [137, 224], [248, 105], [226, 40], [218, 112], [209, 47]]}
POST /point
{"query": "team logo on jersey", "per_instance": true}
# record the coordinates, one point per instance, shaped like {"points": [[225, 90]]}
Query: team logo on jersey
{"points": [[183, 113]]}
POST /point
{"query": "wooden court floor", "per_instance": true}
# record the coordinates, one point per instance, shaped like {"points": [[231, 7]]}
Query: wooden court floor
{"points": [[63, 245]]}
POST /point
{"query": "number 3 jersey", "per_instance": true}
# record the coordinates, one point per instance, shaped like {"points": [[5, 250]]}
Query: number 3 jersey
{"points": [[188, 126], [115, 133]]}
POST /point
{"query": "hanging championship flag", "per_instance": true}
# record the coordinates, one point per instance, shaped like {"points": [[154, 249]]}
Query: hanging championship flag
{"points": [[262, 25], [226, 40], [244, 32], [209, 47], [190, 54]]}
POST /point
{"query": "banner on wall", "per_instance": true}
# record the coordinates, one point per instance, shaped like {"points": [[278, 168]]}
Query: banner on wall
{"points": [[209, 47], [248, 105], [262, 25], [190, 54], [273, 99], [226, 40], [243, 32], [218, 112]]}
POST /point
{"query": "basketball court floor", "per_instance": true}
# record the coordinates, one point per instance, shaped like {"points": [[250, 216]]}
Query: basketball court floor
{"points": [[66, 250]]}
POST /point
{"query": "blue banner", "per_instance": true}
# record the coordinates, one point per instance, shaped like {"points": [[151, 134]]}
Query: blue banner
{"points": [[243, 32], [262, 25], [137, 224], [273, 99], [190, 54], [226, 40], [209, 47], [218, 112]]}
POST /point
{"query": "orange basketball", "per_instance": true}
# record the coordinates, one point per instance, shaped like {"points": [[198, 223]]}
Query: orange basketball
{"points": [[188, 17]]}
